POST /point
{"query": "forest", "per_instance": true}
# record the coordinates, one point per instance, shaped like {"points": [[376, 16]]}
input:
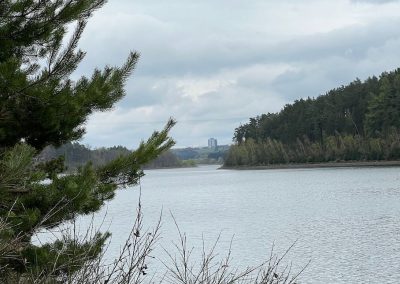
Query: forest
{"points": [[356, 122], [76, 155]]}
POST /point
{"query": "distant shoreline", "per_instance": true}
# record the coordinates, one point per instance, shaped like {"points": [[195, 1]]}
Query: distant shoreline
{"points": [[350, 164]]}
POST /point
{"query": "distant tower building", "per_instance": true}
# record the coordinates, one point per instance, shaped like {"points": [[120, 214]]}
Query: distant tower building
{"points": [[212, 143]]}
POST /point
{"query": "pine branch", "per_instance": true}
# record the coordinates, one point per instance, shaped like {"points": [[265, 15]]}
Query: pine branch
{"points": [[126, 170]]}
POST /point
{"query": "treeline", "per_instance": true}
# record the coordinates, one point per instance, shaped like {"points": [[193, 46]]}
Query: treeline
{"points": [[336, 148], [360, 121], [76, 155], [202, 155]]}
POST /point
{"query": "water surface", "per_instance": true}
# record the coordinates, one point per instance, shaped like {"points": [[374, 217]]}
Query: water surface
{"points": [[345, 220]]}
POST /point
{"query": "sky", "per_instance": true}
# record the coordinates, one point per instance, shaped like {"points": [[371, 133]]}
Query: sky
{"points": [[213, 64]]}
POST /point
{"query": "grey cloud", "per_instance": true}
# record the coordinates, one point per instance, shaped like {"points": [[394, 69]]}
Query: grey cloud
{"points": [[177, 47], [140, 91], [204, 56], [352, 43], [324, 62], [374, 1]]}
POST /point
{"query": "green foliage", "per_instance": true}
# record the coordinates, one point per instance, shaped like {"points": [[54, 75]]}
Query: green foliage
{"points": [[126, 170], [336, 148], [383, 110], [67, 255], [39, 102], [53, 167], [166, 160], [188, 163], [359, 121], [202, 155], [16, 171], [77, 155], [39, 106]]}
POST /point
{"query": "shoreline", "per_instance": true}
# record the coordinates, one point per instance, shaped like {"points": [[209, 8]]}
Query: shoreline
{"points": [[349, 164]]}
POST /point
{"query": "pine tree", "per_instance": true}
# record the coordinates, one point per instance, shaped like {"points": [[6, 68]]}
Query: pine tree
{"points": [[377, 117], [40, 105]]}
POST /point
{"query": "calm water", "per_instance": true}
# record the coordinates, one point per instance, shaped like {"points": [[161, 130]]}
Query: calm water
{"points": [[345, 220]]}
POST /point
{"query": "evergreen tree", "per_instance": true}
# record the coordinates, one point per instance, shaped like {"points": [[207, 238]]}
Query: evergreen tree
{"points": [[359, 121], [377, 115], [40, 105]]}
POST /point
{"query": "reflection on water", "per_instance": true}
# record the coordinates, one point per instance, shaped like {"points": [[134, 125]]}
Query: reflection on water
{"points": [[346, 221]]}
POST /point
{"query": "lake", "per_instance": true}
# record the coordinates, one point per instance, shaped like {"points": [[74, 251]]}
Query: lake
{"points": [[346, 221]]}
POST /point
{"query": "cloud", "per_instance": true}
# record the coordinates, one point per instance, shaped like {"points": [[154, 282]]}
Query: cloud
{"points": [[330, 60], [214, 64], [374, 1]]}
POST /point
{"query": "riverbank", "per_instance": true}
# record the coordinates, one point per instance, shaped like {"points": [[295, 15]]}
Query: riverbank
{"points": [[350, 164]]}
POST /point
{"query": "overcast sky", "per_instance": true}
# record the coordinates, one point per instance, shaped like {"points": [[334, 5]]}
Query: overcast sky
{"points": [[212, 64]]}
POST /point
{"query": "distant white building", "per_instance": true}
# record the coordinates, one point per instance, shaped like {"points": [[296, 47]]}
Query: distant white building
{"points": [[212, 143]]}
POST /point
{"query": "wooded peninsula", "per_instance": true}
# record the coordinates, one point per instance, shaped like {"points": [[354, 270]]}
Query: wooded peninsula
{"points": [[357, 122]]}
